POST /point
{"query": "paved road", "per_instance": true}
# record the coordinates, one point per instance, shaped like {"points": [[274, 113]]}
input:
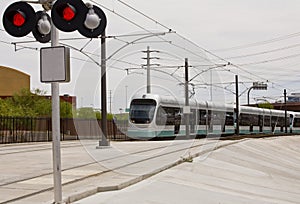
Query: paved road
{"points": [[264, 171]]}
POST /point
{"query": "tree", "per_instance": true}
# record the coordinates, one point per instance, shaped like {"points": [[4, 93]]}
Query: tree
{"points": [[266, 105], [90, 113], [66, 110], [32, 104], [86, 113], [5, 108]]}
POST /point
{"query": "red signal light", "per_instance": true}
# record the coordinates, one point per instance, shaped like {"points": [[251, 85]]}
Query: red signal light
{"points": [[69, 13], [19, 19]]}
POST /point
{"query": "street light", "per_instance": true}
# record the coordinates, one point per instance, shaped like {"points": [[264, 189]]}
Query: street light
{"points": [[257, 86]]}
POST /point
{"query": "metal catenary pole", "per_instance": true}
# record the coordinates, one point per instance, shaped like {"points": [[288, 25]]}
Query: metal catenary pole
{"points": [[237, 104], [187, 115], [103, 141], [285, 111]]}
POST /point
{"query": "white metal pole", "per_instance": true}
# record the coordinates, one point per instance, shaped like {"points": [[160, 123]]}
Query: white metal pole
{"points": [[56, 127]]}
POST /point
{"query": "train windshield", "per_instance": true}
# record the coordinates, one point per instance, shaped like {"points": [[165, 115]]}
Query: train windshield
{"points": [[142, 111]]}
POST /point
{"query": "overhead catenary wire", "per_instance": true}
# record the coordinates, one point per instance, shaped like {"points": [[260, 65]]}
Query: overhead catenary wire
{"points": [[264, 52], [271, 60], [178, 46], [284, 37], [236, 66]]}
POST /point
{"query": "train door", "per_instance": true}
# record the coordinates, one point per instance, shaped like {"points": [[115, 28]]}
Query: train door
{"points": [[177, 121], [291, 122], [229, 123], [260, 123], [168, 119], [236, 131], [209, 123], [202, 122], [193, 121], [267, 123]]}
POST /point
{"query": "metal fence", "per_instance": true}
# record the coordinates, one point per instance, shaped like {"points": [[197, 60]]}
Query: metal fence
{"points": [[25, 129]]}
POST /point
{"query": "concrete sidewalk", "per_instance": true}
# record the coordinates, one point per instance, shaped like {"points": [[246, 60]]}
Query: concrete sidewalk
{"points": [[26, 169], [264, 171]]}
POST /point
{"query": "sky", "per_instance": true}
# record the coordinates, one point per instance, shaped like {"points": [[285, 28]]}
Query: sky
{"points": [[258, 40]]}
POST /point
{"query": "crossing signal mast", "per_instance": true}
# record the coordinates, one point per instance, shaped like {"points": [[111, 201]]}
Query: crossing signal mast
{"points": [[19, 19], [70, 15]]}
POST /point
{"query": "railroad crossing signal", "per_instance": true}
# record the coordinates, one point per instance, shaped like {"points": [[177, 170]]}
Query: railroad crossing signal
{"points": [[20, 19], [42, 29], [70, 15], [94, 23]]}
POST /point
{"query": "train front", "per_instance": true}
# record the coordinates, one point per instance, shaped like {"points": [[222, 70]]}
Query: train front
{"points": [[141, 117]]}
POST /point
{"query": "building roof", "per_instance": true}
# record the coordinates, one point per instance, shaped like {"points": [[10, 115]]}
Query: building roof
{"points": [[12, 81]]}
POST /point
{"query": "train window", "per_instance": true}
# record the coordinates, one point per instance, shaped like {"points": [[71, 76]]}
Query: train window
{"points": [[248, 119], [202, 117], [277, 121], [296, 122], [229, 118], [142, 111], [193, 120], [193, 116], [218, 117], [168, 116]]}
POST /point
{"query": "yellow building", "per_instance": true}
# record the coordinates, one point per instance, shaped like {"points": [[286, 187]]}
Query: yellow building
{"points": [[12, 81]]}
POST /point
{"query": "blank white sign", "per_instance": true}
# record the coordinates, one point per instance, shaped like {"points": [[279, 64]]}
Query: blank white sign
{"points": [[55, 64]]}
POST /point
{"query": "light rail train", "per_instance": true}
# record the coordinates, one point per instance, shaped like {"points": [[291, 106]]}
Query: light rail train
{"points": [[155, 116]]}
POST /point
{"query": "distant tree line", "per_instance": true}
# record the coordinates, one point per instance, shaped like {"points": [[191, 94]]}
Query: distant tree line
{"points": [[266, 105], [34, 103]]}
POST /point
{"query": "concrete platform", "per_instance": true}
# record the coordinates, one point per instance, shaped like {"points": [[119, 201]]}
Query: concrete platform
{"points": [[264, 170]]}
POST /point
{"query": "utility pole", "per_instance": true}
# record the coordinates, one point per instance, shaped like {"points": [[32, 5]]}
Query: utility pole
{"points": [[285, 111], [237, 104], [148, 65], [187, 111]]}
